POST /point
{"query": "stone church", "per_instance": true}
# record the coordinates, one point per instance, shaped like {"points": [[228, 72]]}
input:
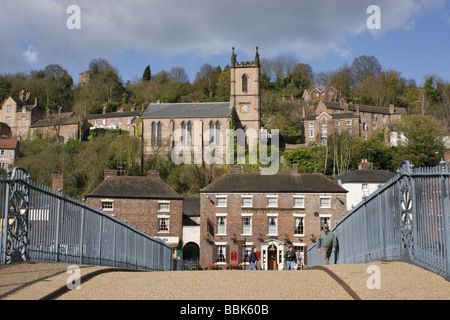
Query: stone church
{"points": [[168, 127]]}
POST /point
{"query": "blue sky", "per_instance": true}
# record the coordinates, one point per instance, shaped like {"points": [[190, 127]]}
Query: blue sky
{"points": [[414, 37]]}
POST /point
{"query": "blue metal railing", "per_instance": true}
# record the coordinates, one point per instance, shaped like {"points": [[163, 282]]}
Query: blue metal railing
{"points": [[41, 224], [407, 219]]}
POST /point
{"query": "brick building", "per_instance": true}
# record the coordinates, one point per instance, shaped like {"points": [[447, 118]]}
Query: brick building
{"points": [[241, 211], [147, 203], [359, 120]]}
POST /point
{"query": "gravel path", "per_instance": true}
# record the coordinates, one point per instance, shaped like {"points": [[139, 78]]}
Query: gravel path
{"points": [[398, 281]]}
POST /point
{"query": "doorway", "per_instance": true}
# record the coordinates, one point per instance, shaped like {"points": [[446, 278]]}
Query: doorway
{"points": [[272, 258]]}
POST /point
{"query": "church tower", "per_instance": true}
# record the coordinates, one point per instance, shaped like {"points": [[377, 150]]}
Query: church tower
{"points": [[245, 93]]}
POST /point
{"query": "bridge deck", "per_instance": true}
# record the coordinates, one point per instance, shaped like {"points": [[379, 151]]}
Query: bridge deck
{"points": [[399, 281]]}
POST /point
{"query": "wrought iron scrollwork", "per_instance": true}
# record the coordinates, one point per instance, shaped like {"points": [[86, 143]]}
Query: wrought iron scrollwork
{"points": [[406, 206], [16, 224]]}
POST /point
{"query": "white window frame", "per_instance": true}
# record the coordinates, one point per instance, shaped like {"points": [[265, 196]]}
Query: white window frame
{"points": [[270, 229], [246, 197], [302, 205], [299, 216], [324, 205], [221, 198], [250, 227], [109, 205], [222, 247], [221, 227], [163, 206], [272, 197], [162, 218]]}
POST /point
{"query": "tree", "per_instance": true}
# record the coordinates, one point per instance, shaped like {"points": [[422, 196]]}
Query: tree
{"points": [[147, 76], [424, 147], [364, 67]]}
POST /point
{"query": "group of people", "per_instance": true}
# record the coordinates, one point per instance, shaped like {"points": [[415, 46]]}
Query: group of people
{"points": [[326, 244]]}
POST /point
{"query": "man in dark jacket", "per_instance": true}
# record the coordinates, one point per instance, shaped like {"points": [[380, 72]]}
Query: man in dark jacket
{"points": [[253, 258], [290, 258]]}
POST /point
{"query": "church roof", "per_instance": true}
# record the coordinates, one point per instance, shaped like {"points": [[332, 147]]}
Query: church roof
{"points": [[187, 110]]}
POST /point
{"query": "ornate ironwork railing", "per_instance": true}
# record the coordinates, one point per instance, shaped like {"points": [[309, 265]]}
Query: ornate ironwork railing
{"points": [[407, 219], [41, 224]]}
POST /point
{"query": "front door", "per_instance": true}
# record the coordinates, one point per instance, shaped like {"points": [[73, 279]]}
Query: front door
{"points": [[272, 259]]}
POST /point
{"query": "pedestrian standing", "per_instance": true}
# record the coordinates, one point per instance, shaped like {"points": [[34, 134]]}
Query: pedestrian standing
{"points": [[290, 258], [253, 258], [326, 243]]}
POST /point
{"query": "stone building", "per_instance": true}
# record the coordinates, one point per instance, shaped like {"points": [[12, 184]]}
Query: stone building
{"points": [[19, 114], [9, 151], [63, 125], [241, 211], [196, 126], [147, 203]]}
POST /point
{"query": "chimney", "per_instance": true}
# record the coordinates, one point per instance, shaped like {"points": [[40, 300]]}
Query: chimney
{"points": [[110, 173], [104, 109], [294, 169], [152, 174], [235, 169], [58, 182], [365, 165], [35, 102], [343, 105]]}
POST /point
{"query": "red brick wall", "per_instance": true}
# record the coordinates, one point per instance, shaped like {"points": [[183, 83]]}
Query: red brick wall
{"points": [[285, 219]]}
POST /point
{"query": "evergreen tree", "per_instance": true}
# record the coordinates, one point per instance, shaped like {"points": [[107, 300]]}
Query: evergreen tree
{"points": [[147, 76]]}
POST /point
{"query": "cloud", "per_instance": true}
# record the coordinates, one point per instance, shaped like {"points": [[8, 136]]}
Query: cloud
{"points": [[31, 55], [196, 27]]}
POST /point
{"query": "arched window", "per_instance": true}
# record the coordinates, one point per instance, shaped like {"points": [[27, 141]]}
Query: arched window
{"points": [[159, 133], [189, 133], [244, 83], [324, 121], [153, 137], [218, 133], [211, 132], [183, 133]]}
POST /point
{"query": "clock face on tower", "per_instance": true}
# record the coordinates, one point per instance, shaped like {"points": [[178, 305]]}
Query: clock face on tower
{"points": [[244, 108]]}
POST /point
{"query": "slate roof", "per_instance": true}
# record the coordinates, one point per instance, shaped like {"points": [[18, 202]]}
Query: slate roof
{"points": [[334, 116], [366, 176], [278, 183], [135, 187], [118, 114], [191, 206], [364, 108], [65, 118], [187, 110]]}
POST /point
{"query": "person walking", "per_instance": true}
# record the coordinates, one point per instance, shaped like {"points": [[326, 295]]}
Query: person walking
{"points": [[290, 258], [253, 258], [326, 243]]}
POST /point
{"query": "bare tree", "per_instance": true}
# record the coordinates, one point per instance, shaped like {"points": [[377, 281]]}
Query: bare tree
{"points": [[364, 67]]}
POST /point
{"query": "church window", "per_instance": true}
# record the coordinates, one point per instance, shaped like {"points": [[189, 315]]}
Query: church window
{"points": [[217, 132], [189, 133], [153, 133], [159, 133], [211, 132], [244, 83]]}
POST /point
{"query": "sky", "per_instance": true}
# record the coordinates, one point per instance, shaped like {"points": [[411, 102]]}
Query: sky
{"points": [[411, 36]]}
